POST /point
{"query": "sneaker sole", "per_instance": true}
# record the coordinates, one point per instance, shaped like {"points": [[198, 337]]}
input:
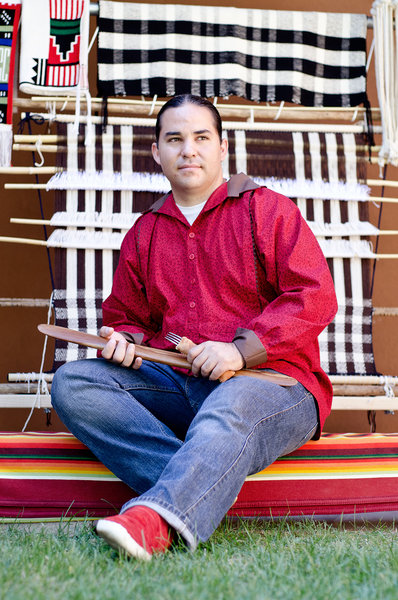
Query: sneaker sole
{"points": [[119, 538]]}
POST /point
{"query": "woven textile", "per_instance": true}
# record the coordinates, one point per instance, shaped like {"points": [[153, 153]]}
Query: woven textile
{"points": [[54, 42], [9, 21], [84, 276], [53, 474], [315, 59]]}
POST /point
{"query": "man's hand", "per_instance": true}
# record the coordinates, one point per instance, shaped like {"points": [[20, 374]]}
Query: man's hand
{"points": [[118, 350], [212, 359]]}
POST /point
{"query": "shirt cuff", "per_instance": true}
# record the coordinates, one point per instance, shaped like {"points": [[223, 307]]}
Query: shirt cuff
{"points": [[133, 338], [250, 347]]}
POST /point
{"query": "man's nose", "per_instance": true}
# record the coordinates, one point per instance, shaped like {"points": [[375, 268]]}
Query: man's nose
{"points": [[188, 148]]}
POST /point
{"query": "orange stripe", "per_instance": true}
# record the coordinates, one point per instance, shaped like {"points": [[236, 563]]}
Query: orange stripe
{"points": [[331, 468]]}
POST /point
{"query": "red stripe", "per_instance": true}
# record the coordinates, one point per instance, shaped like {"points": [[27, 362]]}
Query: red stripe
{"points": [[31, 498], [317, 496]]}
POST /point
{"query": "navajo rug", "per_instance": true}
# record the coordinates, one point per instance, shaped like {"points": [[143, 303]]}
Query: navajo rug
{"points": [[86, 262], [310, 58], [339, 476], [54, 42], [9, 21]]}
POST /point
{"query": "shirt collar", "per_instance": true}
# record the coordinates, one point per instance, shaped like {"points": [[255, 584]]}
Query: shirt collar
{"points": [[233, 188]]}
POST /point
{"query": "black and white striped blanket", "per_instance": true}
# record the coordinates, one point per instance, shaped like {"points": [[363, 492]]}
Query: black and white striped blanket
{"points": [[309, 58]]}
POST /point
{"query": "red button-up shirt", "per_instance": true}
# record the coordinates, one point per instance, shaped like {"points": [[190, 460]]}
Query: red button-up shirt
{"points": [[248, 270]]}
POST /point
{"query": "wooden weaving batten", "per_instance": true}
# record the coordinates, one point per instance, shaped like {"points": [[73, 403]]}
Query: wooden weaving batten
{"points": [[166, 357]]}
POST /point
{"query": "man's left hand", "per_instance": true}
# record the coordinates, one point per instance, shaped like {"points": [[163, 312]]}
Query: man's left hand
{"points": [[212, 359]]}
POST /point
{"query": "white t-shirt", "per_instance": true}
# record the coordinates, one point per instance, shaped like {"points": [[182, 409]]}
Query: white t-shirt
{"points": [[191, 212]]}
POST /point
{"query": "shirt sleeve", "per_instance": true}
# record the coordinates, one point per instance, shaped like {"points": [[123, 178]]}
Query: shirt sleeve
{"points": [[126, 309], [292, 262]]}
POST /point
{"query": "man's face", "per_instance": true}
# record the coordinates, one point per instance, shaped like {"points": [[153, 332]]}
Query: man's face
{"points": [[190, 152]]}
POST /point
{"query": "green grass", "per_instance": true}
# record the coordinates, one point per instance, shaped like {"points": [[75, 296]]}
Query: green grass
{"points": [[245, 560]]}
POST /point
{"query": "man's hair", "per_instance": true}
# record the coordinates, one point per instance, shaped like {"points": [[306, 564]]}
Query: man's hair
{"points": [[189, 99]]}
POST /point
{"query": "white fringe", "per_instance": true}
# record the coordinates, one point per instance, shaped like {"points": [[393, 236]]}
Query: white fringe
{"points": [[158, 183], [346, 249], [306, 188], [84, 240], [123, 221], [342, 229], [99, 240], [101, 180]]}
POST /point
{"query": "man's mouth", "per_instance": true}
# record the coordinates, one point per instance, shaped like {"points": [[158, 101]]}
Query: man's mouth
{"points": [[189, 166]]}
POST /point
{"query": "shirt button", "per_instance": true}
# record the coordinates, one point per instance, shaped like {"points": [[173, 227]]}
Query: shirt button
{"points": [[191, 256], [192, 305], [193, 281], [191, 234]]}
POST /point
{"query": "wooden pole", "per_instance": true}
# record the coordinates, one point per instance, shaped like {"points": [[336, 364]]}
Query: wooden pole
{"points": [[24, 401], [361, 379], [227, 110], [16, 240], [22, 221], [32, 377], [29, 170], [364, 403], [239, 125]]}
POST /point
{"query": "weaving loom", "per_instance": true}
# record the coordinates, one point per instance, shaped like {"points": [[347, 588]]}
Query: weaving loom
{"points": [[340, 477]]}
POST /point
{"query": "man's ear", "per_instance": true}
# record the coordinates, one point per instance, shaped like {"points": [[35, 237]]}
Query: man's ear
{"points": [[155, 153], [224, 148]]}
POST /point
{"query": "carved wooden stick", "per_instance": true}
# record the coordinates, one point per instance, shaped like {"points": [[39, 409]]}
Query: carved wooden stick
{"points": [[173, 359]]}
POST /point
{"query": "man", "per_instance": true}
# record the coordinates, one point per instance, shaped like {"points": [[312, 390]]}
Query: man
{"points": [[234, 267]]}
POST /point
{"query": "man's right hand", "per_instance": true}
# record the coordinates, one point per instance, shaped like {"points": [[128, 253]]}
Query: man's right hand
{"points": [[118, 350]]}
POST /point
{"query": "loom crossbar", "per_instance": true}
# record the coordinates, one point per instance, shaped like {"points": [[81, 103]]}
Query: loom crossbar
{"points": [[339, 402]]}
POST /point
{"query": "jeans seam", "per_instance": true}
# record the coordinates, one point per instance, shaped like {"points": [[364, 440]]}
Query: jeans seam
{"points": [[149, 388], [232, 466]]}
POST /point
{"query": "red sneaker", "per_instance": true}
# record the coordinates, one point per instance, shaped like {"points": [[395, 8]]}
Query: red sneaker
{"points": [[139, 531]]}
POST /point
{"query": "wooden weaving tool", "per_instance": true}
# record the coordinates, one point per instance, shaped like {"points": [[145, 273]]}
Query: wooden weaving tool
{"points": [[165, 357]]}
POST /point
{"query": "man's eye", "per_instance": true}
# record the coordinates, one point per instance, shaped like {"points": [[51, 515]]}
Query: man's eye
{"points": [[174, 139]]}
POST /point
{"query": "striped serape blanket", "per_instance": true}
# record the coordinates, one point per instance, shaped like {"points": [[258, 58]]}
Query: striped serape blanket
{"points": [[339, 476], [309, 58]]}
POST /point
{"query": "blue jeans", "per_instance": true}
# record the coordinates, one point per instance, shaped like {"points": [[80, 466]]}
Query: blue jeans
{"points": [[185, 444]]}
